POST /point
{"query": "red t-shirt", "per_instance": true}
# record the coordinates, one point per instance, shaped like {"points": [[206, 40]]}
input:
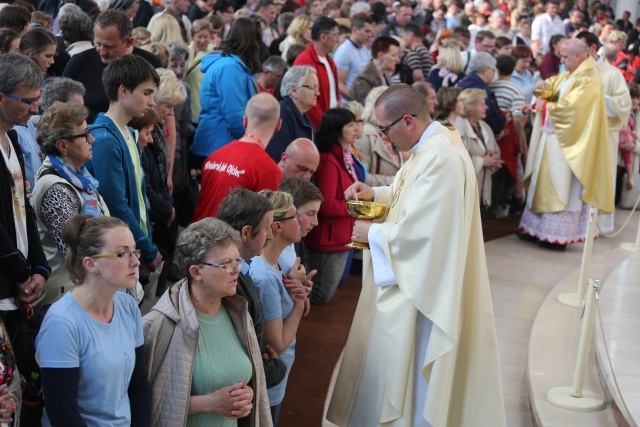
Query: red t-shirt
{"points": [[237, 164]]}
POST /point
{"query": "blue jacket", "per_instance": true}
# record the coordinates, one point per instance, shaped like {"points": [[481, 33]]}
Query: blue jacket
{"points": [[294, 125], [112, 166], [226, 88], [494, 118]]}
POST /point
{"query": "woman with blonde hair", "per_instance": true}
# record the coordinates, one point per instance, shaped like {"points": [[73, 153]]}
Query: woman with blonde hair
{"points": [[478, 138], [202, 34], [160, 154], [298, 32], [378, 155], [204, 360], [281, 311], [165, 29], [160, 50], [448, 70]]}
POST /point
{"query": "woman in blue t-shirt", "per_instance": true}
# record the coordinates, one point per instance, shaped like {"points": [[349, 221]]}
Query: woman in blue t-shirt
{"points": [[281, 312], [90, 346]]}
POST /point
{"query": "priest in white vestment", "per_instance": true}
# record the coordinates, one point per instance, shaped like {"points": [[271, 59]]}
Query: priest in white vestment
{"points": [[422, 350], [568, 166]]}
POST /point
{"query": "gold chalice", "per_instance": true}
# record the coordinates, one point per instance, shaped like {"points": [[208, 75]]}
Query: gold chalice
{"points": [[544, 93], [364, 210]]}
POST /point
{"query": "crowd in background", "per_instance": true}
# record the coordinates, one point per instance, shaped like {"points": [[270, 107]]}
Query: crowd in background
{"points": [[128, 126]]}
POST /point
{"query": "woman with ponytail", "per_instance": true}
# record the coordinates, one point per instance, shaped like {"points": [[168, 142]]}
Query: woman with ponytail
{"points": [[90, 346]]}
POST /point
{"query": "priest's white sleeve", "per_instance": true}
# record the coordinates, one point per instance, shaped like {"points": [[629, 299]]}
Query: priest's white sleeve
{"points": [[383, 274]]}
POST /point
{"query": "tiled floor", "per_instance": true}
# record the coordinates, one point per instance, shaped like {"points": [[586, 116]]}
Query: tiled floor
{"points": [[522, 275]]}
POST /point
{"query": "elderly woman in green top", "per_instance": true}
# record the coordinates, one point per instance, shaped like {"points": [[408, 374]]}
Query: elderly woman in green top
{"points": [[203, 358]]}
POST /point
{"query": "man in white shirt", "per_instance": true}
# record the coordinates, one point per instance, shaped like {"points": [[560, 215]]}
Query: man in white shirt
{"points": [[544, 26], [354, 54]]}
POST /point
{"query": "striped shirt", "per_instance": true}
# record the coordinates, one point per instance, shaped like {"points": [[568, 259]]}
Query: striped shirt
{"points": [[508, 95], [419, 58]]}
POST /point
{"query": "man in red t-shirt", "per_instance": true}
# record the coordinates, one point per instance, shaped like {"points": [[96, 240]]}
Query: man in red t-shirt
{"points": [[244, 162]]}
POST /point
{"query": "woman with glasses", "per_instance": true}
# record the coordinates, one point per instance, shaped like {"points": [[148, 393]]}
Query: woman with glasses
{"points": [[90, 347], [326, 251], [205, 366], [282, 311], [300, 91], [63, 188]]}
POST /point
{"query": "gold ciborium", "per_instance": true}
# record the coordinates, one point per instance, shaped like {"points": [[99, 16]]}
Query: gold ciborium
{"points": [[543, 93], [364, 210]]}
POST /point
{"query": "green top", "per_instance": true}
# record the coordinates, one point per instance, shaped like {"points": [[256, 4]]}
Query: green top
{"points": [[221, 361]]}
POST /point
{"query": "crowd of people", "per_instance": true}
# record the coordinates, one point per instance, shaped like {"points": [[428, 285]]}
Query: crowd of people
{"points": [[214, 144]]}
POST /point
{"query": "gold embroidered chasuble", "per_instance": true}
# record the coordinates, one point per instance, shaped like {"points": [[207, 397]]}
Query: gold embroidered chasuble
{"points": [[578, 114]]}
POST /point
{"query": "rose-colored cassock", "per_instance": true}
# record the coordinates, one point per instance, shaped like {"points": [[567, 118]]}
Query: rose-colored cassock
{"points": [[433, 322]]}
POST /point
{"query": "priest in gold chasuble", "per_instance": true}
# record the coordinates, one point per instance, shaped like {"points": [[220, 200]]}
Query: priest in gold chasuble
{"points": [[422, 350], [568, 165]]}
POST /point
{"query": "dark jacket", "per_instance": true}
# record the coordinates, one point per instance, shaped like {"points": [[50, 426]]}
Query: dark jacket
{"points": [[112, 166], [294, 125], [309, 56], [274, 369], [14, 267], [494, 119], [550, 65], [368, 78]]}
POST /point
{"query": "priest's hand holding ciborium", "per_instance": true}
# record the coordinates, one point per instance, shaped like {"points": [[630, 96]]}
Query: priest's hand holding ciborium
{"points": [[360, 206]]}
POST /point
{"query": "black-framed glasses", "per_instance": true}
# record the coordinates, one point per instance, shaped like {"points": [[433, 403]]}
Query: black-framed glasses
{"points": [[86, 135], [296, 217], [312, 87], [28, 101], [385, 129], [229, 267], [122, 255]]}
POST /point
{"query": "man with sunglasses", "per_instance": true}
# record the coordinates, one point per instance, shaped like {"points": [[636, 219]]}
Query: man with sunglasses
{"points": [[422, 350]]}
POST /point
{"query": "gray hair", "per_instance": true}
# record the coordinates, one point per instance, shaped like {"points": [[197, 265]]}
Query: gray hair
{"points": [[75, 25], [178, 50], [359, 7], [480, 61], [199, 238], [285, 19], [294, 77], [610, 51], [68, 8], [274, 64], [16, 70], [61, 89]]}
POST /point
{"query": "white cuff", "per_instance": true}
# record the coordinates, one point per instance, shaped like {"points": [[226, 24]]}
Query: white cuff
{"points": [[382, 271]]}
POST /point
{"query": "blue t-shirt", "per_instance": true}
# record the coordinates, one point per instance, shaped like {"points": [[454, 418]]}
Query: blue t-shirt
{"points": [[276, 302], [104, 352], [350, 57]]}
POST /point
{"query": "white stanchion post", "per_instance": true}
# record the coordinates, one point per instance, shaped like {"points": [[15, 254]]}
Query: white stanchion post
{"points": [[632, 247], [575, 397], [575, 300]]}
